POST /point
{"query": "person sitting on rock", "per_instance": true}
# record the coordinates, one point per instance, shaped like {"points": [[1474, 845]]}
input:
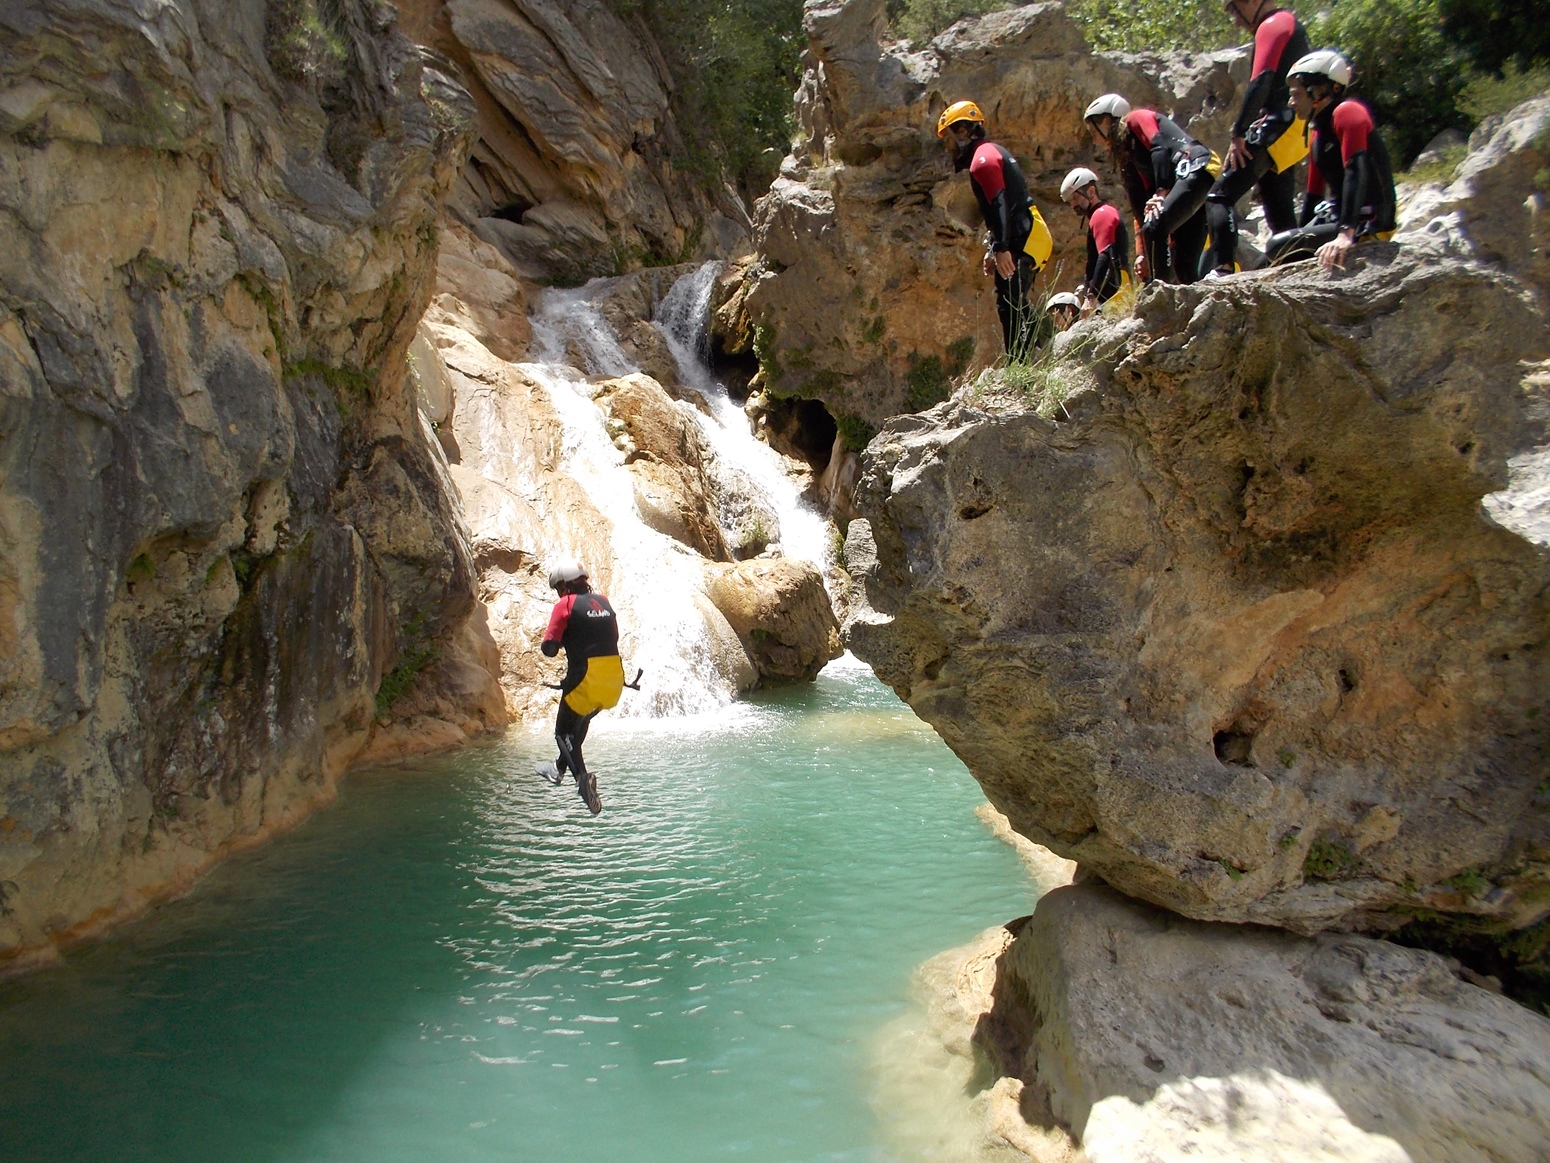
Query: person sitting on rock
{"points": [[584, 623], [1167, 175], [1019, 243], [1266, 145], [1350, 194], [1108, 243]]}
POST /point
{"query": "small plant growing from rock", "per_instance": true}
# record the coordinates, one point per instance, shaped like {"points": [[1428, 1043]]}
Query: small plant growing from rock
{"points": [[1330, 860]]}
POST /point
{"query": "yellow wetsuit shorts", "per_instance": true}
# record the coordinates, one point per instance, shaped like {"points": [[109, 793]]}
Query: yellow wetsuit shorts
{"points": [[600, 688]]}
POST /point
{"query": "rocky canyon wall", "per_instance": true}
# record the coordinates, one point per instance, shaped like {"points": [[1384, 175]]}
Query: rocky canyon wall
{"points": [[868, 294], [576, 168], [230, 555]]}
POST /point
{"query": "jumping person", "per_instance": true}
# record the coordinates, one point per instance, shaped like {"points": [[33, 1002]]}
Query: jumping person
{"points": [[1266, 145], [1167, 175], [1350, 194], [583, 623], [1108, 243], [1019, 242]]}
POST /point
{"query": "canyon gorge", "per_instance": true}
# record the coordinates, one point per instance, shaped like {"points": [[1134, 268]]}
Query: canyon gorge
{"points": [[319, 342]]}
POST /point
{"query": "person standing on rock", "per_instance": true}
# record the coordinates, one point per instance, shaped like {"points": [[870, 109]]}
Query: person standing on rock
{"points": [[1350, 194], [1167, 175], [1108, 242], [584, 623], [1267, 139], [1019, 243]]}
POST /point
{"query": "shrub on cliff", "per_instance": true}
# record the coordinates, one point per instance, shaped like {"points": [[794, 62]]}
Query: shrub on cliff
{"points": [[735, 67]]}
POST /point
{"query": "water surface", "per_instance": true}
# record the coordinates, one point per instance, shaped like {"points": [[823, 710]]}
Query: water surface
{"points": [[457, 963]]}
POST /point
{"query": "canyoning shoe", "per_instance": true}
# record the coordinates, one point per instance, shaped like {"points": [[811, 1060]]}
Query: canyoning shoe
{"points": [[586, 788], [549, 772]]}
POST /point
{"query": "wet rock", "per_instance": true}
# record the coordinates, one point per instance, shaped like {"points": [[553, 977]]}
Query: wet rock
{"points": [[1251, 624], [1153, 1037], [227, 545], [781, 614]]}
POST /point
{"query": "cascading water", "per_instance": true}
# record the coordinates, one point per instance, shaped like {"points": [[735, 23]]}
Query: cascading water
{"points": [[682, 318], [658, 583]]}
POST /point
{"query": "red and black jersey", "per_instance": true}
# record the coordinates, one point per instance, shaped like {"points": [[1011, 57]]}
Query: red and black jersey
{"points": [[1153, 148], [1108, 252], [586, 626], [1350, 166], [1002, 192], [1279, 41]]}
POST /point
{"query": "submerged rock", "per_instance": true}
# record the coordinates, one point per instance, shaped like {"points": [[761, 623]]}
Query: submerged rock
{"points": [[1157, 1038], [1240, 627]]}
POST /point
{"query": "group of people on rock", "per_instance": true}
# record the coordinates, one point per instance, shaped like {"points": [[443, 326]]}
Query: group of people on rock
{"points": [[1182, 194]]}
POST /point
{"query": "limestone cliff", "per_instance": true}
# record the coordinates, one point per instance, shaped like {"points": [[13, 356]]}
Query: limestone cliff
{"points": [[572, 173], [868, 293], [228, 547]]}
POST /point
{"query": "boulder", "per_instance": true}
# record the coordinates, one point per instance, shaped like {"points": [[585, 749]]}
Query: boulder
{"points": [[867, 293], [1496, 208], [1156, 1038], [1241, 604], [781, 614]]}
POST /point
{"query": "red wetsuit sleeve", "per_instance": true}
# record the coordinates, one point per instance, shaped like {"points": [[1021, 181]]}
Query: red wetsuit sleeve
{"points": [[1270, 41], [1105, 227], [1142, 123], [985, 169], [1353, 124], [559, 618]]}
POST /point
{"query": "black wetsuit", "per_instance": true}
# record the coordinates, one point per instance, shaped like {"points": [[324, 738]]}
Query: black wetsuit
{"points": [[1350, 183], [586, 626], [1002, 192], [1279, 41], [1161, 156], [1108, 252]]}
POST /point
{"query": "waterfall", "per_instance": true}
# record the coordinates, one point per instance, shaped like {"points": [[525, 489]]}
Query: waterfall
{"points": [[657, 584], [683, 319]]}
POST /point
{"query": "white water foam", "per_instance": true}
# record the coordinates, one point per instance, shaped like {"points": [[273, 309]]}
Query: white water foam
{"points": [[656, 579]]}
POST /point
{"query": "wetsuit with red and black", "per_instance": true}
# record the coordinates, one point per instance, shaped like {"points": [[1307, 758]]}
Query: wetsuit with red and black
{"points": [[1350, 183], [1002, 192], [1159, 157], [586, 626], [1279, 41], [1108, 252]]}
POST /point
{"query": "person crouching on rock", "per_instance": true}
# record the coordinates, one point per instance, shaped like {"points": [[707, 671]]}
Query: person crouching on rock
{"points": [[584, 624], [1019, 242], [1108, 243], [1350, 196], [1167, 175]]}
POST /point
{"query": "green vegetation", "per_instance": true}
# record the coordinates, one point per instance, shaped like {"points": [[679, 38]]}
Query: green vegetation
{"points": [[1134, 25], [735, 67], [1330, 860], [303, 43], [920, 20], [1287, 756], [401, 677], [856, 432], [141, 569], [1471, 882]]}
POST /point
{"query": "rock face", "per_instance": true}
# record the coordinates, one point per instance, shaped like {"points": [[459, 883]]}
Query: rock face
{"points": [[1156, 1038], [1252, 631], [868, 293], [571, 174], [226, 544], [781, 614]]}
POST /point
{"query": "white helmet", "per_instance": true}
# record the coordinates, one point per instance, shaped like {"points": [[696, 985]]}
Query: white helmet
{"points": [[1111, 103], [1064, 299], [567, 569], [1078, 179], [1326, 63]]}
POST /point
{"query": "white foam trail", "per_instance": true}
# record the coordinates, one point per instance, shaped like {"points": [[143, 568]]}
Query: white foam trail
{"points": [[682, 318]]}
